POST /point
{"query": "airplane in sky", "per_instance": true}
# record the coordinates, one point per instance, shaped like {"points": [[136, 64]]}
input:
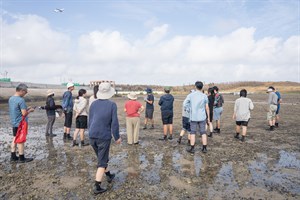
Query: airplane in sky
{"points": [[59, 10]]}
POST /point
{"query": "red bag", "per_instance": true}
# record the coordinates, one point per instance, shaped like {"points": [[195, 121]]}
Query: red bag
{"points": [[22, 131]]}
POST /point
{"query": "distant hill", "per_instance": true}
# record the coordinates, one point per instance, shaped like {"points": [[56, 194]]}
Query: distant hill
{"points": [[229, 87], [38, 91]]}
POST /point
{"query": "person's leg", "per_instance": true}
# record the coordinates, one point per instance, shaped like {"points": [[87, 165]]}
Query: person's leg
{"points": [[244, 128], [170, 131], [271, 116], [68, 130], [237, 130], [13, 149], [244, 132], [151, 118], [145, 123], [211, 127], [185, 128], [99, 174], [165, 129], [21, 148], [136, 130], [277, 116], [51, 126], [69, 124], [81, 132], [13, 146], [48, 126], [129, 129], [165, 126], [192, 137], [22, 158], [75, 136], [170, 125], [219, 124], [216, 125], [182, 132], [102, 155], [152, 123], [203, 135], [273, 121], [277, 120]]}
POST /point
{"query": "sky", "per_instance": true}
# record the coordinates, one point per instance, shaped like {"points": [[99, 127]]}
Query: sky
{"points": [[164, 42]]}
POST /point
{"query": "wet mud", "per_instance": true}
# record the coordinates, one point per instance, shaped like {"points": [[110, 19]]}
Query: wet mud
{"points": [[266, 166]]}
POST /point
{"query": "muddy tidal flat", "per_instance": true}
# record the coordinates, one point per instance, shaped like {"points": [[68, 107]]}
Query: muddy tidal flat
{"points": [[266, 166]]}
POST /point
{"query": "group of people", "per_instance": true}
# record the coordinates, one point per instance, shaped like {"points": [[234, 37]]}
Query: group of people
{"points": [[99, 115]]}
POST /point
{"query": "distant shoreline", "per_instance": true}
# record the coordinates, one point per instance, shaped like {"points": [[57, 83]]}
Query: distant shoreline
{"points": [[37, 92]]}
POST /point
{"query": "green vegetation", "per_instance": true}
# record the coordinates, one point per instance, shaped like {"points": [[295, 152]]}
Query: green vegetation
{"points": [[75, 84], [5, 80]]}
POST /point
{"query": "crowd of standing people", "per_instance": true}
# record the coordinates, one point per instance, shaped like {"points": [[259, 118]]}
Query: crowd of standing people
{"points": [[99, 116]]}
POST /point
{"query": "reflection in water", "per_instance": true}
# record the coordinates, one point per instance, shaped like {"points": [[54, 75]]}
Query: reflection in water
{"points": [[176, 161], [224, 184], [198, 164], [133, 163], [283, 177], [151, 172], [118, 163]]}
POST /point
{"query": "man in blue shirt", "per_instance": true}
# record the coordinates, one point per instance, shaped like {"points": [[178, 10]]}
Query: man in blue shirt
{"points": [[18, 109], [103, 123], [166, 106], [278, 108], [197, 105], [67, 105]]}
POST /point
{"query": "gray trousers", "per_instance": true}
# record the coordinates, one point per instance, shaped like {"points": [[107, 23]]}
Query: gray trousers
{"points": [[49, 127]]}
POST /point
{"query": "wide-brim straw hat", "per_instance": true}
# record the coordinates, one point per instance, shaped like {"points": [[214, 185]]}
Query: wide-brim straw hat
{"points": [[132, 96], [50, 92], [105, 91]]}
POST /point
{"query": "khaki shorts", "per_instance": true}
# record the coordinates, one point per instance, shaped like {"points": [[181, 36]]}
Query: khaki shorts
{"points": [[272, 112]]}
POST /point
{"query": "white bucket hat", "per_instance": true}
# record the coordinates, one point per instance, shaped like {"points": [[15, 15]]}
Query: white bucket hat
{"points": [[105, 91], [132, 95], [70, 85], [50, 92]]}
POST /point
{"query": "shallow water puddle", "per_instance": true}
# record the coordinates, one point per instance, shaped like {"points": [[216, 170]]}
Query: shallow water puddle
{"points": [[224, 184], [151, 174], [283, 176]]}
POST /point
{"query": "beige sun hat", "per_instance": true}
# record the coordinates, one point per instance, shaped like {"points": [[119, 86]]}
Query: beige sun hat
{"points": [[132, 96], [50, 92], [105, 91]]}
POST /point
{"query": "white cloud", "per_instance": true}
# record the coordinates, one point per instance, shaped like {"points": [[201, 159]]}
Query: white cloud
{"points": [[104, 47], [157, 34], [31, 45], [31, 41]]}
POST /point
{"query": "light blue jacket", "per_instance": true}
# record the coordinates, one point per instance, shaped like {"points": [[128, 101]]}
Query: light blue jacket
{"points": [[196, 103]]}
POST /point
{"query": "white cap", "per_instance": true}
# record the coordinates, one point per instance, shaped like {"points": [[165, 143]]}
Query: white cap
{"points": [[70, 85]]}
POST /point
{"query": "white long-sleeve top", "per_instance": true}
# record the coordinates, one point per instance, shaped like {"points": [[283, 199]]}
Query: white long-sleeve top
{"points": [[242, 108], [80, 106]]}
